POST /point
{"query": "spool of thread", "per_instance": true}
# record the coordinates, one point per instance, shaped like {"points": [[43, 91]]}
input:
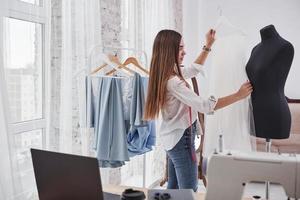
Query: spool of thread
{"points": [[221, 143]]}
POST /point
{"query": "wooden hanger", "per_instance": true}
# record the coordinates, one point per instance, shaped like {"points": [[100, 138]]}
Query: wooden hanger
{"points": [[114, 59], [131, 60], [101, 66], [98, 68], [134, 61]]}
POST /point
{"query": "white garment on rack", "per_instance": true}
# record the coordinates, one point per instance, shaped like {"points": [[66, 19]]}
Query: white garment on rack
{"points": [[126, 88], [227, 75]]}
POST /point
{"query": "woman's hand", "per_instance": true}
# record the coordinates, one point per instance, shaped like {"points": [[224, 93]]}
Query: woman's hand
{"points": [[244, 91], [210, 38]]}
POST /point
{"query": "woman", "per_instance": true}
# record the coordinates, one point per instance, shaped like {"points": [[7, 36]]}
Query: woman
{"points": [[170, 94]]}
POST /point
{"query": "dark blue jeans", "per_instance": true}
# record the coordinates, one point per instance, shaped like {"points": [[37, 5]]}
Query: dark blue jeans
{"points": [[182, 169]]}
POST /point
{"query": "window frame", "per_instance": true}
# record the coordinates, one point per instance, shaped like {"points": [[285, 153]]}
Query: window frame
{"points": [[39, 14]]}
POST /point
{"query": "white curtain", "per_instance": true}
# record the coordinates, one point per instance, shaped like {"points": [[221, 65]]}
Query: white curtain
{"points": [[6, 178], [141, 21], [9, 176], [158, 15], [81, 30]]}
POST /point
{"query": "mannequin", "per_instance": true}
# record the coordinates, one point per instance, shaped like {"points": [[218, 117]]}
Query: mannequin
{"points": [[267, 70]]}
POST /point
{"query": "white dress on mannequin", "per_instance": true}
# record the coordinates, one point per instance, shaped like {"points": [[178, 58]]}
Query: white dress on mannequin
{"points": [[227, 75]]}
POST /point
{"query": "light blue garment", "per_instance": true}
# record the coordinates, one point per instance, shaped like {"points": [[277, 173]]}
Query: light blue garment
{"points": [[92, 105], [141, 135], [137, 102], [145, 81], [110, 133], [141, 139], [117, 108]]}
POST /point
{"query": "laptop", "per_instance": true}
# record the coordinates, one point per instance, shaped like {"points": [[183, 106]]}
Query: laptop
{"points": [[64, 176]]}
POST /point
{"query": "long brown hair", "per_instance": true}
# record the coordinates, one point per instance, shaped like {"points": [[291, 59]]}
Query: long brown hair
{"points": [[164, 64]]}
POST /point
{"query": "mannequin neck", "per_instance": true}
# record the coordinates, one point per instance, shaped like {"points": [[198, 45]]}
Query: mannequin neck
{"points": [[268, 32]]}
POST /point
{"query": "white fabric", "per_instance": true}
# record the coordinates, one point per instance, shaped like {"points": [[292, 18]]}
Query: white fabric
{"points": [[146, 19], [10, 183], [175, 114], [6, 167], [227, 75], [66, 80], [81, 30], [158, 15]]}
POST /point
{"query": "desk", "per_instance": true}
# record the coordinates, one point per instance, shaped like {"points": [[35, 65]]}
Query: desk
{"points": [[117, 189]]}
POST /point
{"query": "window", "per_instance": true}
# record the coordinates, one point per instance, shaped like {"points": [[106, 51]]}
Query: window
{"points": [[25, 46], [35, 2], [24, 69]]}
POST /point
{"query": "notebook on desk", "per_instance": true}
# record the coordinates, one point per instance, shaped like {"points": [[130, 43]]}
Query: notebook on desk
{"points": [[64, 176]]}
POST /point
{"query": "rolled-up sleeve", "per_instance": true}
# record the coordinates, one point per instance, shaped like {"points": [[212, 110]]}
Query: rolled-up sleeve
{"points": [[192, 71], [184, 94]]}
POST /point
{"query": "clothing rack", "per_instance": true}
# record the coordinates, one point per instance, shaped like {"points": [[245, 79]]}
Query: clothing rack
{"points": [[87, 71]]}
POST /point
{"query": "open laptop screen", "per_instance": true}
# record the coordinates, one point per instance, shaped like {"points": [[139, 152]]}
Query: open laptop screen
{"points": [[64, 176]]}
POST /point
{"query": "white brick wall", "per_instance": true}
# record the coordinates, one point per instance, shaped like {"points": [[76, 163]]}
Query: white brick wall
{"points": [[111, 22], [177, 10], [56, 37]]}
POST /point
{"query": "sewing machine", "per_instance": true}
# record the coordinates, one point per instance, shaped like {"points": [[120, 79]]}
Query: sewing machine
{"points": [[227, 173]]}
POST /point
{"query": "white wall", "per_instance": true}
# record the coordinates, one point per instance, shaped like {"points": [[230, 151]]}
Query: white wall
{"points": [[250, 16]]}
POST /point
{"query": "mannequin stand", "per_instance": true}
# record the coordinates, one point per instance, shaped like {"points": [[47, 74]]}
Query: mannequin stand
{"points": [[268, 149]]}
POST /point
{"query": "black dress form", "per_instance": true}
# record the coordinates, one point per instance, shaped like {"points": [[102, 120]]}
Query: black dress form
{"points": [[267, 70]]}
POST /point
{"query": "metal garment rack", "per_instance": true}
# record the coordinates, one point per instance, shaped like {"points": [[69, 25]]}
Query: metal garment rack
{"points": [[87, 71]]}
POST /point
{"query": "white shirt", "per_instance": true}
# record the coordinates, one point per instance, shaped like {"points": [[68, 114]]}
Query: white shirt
{"points": [[175, 114]]}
